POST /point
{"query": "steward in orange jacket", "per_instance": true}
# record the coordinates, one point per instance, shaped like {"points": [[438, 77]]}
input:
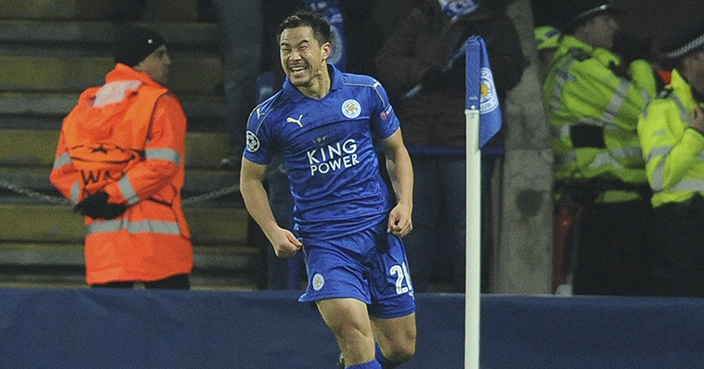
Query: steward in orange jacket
{"points": [[120, 160]]}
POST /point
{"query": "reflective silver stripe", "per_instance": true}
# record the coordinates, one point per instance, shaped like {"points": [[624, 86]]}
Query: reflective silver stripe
{"points": [[691, 45], [127, 190], [153, 226], [616, 101], [561, 77], [64, 159], [646, 97], [75, 192], [658, 173], [658, 176], [114, 92], [658, 151], [689, 185], [604, 159], [163, 154], [601, 158], [684, 113], [627, 152]]}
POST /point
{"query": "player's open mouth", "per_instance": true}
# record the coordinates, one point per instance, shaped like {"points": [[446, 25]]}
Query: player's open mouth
{"points": [[299, 69]]}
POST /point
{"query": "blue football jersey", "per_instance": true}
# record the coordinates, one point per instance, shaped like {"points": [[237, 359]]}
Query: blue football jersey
{"points": [[328, 151]]}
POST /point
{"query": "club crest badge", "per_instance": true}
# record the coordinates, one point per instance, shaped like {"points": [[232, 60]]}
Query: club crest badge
{"points": [[489, 100], [318, 281], [351, 108]]}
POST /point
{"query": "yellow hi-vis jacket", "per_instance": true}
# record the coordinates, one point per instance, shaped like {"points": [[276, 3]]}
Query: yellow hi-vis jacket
{"points": [[674, 152], [593, 113], [132, 113]]}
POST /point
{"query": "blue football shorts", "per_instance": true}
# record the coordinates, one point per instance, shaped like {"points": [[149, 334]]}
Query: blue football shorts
{"points": [[369, 266]]}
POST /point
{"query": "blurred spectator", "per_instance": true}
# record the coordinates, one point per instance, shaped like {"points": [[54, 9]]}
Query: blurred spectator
{"points": [[671, 132], [424, 53], [593, 100], [241, 32]]}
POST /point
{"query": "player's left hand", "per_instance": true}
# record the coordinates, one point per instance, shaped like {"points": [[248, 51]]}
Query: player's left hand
{"points": [[400, 223]]}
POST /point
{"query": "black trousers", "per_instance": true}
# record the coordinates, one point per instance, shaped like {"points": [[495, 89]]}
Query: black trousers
{"points": [[614, 250], [679, 262], [176, 282]]}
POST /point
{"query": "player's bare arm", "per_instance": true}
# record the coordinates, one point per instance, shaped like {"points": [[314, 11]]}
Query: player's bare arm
{"points": [[400, 169], [255, 199]]}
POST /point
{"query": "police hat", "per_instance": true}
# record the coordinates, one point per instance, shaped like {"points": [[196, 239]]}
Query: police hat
{"points": [[685, 40], [579, 11]]}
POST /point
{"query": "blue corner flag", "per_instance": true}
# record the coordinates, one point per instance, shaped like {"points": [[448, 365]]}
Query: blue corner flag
{"points": [[481, 92]]}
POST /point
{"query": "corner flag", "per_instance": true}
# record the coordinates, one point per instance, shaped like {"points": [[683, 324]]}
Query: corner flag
{"points": [[483, 121], [481, 92]]}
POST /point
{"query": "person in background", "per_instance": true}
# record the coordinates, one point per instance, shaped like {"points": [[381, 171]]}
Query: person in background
{"points": [[120, 161], [671, 131], [424, 53], [323, 122], [593, 101], [241, 34]]}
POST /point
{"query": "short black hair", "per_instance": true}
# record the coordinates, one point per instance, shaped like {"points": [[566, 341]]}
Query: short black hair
{"points": [[308, 18]]}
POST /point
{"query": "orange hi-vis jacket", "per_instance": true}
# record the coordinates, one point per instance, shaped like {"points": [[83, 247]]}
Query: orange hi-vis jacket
{"points": [[127, 138]]}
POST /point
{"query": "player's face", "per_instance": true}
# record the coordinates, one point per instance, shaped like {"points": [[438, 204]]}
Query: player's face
{"points": [[156, 65], [302, 58]]}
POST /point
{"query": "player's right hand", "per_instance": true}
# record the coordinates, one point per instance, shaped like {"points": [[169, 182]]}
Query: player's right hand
{"points": [[285, 244]]}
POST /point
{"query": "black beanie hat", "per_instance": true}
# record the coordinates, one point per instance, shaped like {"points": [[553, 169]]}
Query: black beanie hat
{"points": [[134, 44]]}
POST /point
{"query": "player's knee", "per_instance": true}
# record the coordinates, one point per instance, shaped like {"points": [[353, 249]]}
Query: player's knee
{"points": [[401, 351], [401, 356]]}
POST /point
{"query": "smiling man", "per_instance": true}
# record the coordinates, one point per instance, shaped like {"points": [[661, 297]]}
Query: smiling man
{"points": [[346, 223]]}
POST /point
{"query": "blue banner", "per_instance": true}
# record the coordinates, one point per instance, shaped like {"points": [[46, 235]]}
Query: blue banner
{"points": [[481, 91]]}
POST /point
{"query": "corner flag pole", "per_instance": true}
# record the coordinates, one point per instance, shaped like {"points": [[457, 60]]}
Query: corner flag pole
{"points": [[483, 120]]}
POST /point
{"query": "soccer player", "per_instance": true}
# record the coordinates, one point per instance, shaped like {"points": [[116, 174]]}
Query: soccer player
{"points": [[347, 225]]}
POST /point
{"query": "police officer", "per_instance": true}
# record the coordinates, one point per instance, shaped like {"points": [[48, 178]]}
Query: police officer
{"points": [[671, 131], [592, 102]]}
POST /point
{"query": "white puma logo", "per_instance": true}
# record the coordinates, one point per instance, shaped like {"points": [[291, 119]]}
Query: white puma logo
{"points": [[297, 121]]}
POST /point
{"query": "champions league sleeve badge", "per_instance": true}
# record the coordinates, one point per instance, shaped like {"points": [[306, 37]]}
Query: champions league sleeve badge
{"points": [[252, 142]]}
